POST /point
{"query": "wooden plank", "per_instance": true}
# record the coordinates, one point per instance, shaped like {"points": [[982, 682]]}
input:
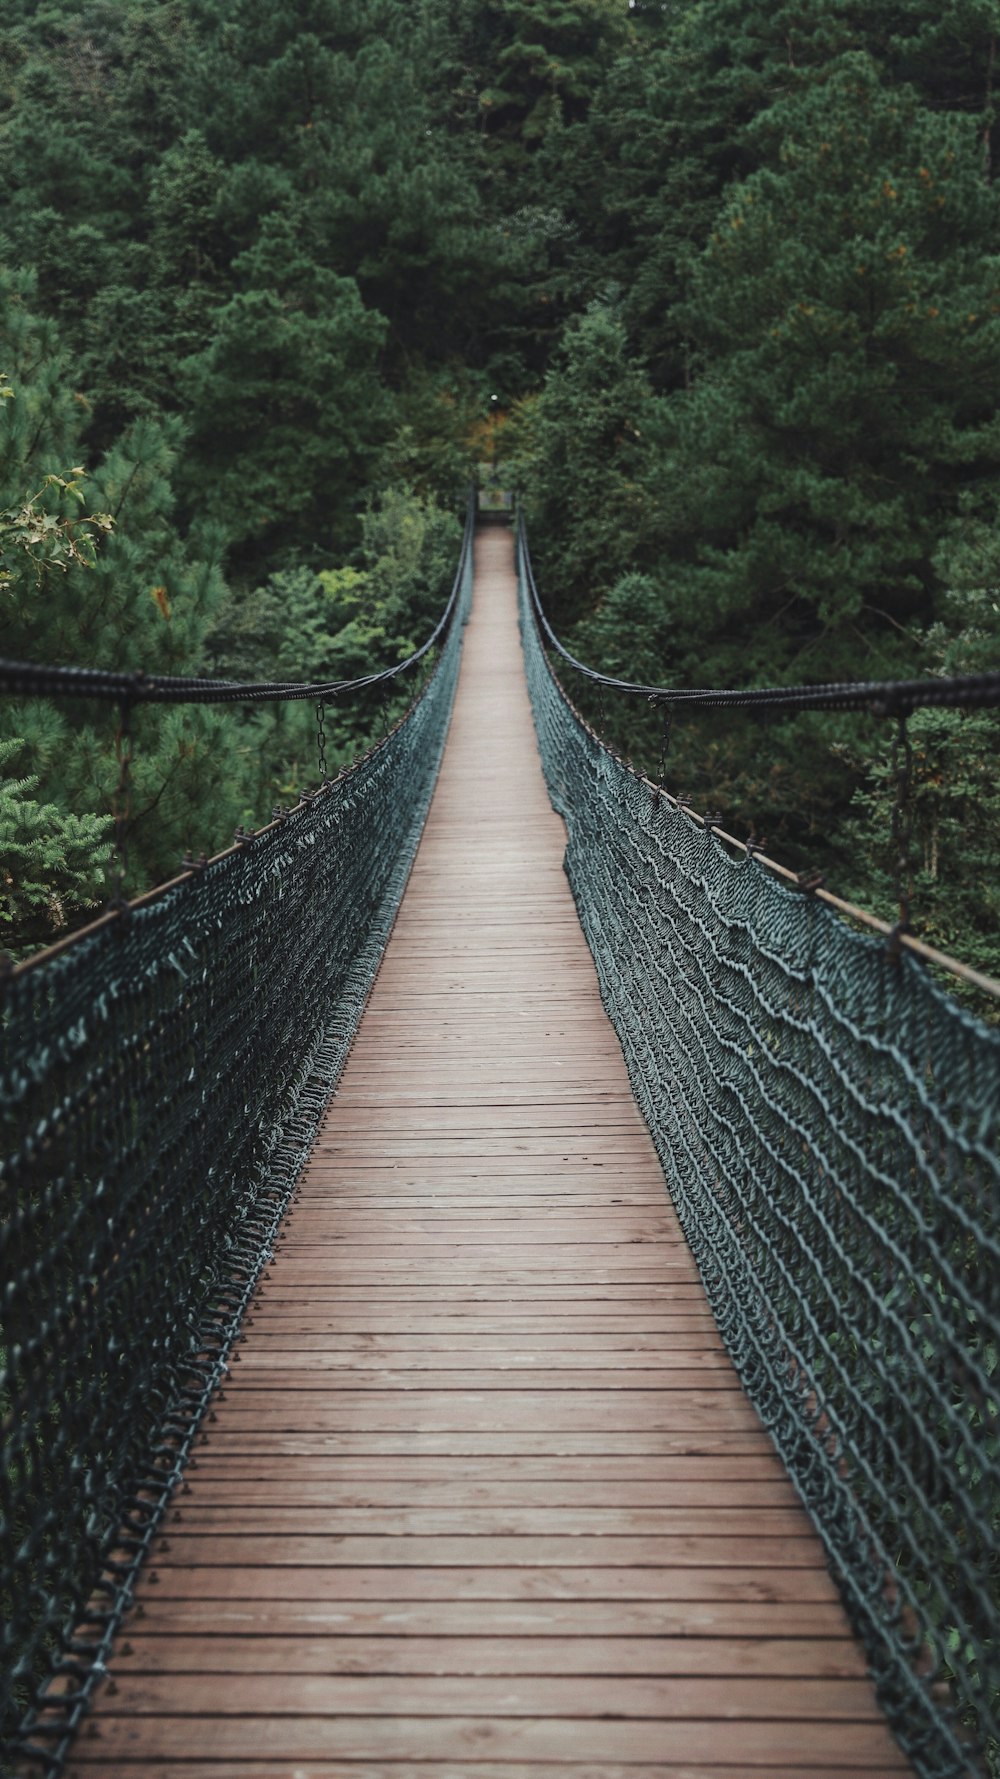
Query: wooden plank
{"points": [[430, 1251], [479, 1305], [697, 1444], [499, 1410], [329, 1550], [451, 1226], [802, 1747], [721, 1698], [444, 1328], [315, 1371], [433, 1653], [278, 1767], [599, 1579], [414, 1459], [446, 1345], [220, 1490], [271, 1356], [486, 1125], [727, 1620], [564, 1145], [283, 1519]]}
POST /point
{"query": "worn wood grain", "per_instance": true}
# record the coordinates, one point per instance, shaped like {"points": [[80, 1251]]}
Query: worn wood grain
{"points": [[326, 1653], [455, 1582], [802, 1747], [284, 1767]]}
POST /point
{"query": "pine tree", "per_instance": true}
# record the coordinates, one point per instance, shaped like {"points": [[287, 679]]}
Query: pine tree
{"points": [[848, 327], [53, 867], [285, 405], [583, 450], [140, 599]]}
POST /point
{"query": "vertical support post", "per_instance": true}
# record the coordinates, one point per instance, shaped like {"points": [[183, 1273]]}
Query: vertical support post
{"points": [[121, 804]]}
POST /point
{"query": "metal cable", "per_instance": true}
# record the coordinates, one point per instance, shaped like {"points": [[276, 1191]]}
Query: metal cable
{"points": [[35, 680], [969, 691]]}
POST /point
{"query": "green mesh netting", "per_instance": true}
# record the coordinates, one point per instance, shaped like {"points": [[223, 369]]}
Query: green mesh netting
{"points": [[160, 1083], [827, 1122]]}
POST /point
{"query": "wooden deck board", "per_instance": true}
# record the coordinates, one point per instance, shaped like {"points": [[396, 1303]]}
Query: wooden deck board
{"points": [[285, 1767], [326, 1652], [598, 1580], [388, 1739], [482, 1498]]}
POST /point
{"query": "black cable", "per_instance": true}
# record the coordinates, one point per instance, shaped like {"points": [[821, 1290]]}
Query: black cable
{"points": [[31, 679], [879, 697]]}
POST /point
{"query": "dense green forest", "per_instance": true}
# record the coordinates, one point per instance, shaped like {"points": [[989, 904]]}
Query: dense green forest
{"points": [[716, 284]]}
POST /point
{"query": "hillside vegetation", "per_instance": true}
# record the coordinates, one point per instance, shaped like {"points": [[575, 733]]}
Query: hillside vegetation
{"points": [[716, 284]]}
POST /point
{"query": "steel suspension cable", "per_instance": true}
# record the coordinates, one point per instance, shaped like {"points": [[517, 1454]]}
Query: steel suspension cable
{"points": [[36, 680], [878, 697]]}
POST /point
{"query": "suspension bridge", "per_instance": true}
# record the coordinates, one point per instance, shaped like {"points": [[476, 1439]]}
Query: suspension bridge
{"points": [[418, 1430]]}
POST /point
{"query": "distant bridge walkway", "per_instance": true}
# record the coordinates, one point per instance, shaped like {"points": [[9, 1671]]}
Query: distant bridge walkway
{"points": [[484, 1496]]}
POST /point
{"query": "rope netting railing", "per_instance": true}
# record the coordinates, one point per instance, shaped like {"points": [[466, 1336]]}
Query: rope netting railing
{"points": [[827, 1121], [161, 1079]]}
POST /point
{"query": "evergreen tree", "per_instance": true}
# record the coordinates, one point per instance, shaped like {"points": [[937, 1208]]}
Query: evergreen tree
{"points": [[537, 69], [39, 425], [581, 454], [285, 407], [53, 867], [848, 326], [140, 600]]}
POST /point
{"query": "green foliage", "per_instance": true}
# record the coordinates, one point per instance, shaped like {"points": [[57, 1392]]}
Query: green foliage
{"points": [[952, 804], [48, 541], [580, 453], [286, 414], [129, 595], [823, 322], [537, 69], [433, 447], [39, 425], [337, 624], [54, 866], [843, 407], [730, 269]]}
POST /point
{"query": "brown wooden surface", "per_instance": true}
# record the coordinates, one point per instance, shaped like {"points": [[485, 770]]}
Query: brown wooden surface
{"points": [[483, 1498]]}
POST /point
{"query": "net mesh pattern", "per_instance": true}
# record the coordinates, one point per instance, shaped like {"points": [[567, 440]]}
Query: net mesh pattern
{"points": [[160, 1083], [827, 1120]]}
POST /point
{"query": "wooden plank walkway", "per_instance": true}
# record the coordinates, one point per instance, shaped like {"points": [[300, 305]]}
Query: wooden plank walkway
{"points": [[484, 1497]]}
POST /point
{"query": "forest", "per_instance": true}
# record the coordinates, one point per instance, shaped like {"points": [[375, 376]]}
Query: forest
{"points": [[714, 286]]}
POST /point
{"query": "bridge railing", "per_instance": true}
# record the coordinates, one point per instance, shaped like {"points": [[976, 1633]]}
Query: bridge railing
{"points": [[827, 1119], [161, 1078]]}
